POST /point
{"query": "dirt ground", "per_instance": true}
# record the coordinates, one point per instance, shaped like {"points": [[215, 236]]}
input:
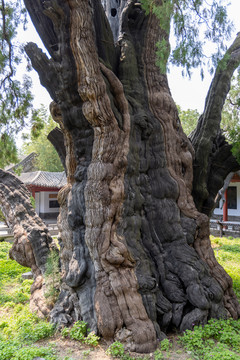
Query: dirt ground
{"points": [[75, 350]]}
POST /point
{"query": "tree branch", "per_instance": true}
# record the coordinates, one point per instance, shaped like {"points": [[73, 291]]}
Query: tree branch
{"points": [[41, 22], [57, 140], [46, 68], [221, 164], [209, 122]]}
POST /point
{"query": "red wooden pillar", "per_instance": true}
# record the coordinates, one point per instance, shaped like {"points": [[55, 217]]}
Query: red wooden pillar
{"points": [[33, 192], [225, 208]]}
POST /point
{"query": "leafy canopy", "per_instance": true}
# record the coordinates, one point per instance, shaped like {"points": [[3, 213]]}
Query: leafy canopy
{"points": [[189, 119], [193, 23], [15, 95], [15, 90]]}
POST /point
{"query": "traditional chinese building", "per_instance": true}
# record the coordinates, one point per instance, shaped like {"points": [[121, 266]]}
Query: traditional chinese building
{"points": [[229, 208], [44, 187]]}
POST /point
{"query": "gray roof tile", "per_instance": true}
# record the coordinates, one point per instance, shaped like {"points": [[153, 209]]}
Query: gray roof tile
{"points": [[44, 178]]}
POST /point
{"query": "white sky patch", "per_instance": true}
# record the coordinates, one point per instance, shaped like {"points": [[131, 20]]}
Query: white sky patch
{"points": [[191, 93], [188, 93]]}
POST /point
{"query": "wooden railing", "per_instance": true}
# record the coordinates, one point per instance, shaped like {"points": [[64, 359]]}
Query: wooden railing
{"points": [[216, 225], [6, 232], [225, 226], [52, 228]]}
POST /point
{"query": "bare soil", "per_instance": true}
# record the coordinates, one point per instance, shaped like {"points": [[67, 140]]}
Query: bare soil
{"points": [[75, 350]]}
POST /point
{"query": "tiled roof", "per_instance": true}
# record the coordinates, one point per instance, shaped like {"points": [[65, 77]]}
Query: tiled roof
{"points": [[26, 164], [44, 178]]}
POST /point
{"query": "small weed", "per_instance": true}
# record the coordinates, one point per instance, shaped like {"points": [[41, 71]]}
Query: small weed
{"points": [[165, 345], [65, 332], [78, 331], [92, 339], [158, 355], [178, 351], [52, 277], [116, 349], [85, 353]]}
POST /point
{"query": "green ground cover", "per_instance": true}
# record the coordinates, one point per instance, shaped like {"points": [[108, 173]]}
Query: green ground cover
{"points": [[19, 328], [23, 336], [227, 252]]}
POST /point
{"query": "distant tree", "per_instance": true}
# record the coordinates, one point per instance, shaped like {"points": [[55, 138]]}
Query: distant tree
{"points": [[231, 116], [8, 150], [230, 123], [15, 95], [189, 119], [47, 157], [2, 217]]}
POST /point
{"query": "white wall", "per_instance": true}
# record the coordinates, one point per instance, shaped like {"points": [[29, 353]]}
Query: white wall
{"points": [[231, 212], [44, 202]]}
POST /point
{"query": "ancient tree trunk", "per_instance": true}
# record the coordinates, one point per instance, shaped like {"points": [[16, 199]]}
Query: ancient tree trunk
{"points": [[32, 241], [135, 250]]}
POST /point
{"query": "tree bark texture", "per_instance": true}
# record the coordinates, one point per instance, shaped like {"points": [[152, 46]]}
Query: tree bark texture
{"points": [[135, 250], [32, 241]]}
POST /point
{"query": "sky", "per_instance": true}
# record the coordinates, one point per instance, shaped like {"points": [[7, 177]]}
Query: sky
{"points": [[188, 93], [191, 93]]}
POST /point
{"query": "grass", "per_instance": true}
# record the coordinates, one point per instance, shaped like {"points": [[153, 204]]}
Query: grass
{"points": [[12, 287], [19, 328], [23, 336], [227, 252]]}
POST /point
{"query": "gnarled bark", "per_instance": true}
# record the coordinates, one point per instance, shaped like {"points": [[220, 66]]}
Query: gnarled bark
{"points": [[135, 250]]}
